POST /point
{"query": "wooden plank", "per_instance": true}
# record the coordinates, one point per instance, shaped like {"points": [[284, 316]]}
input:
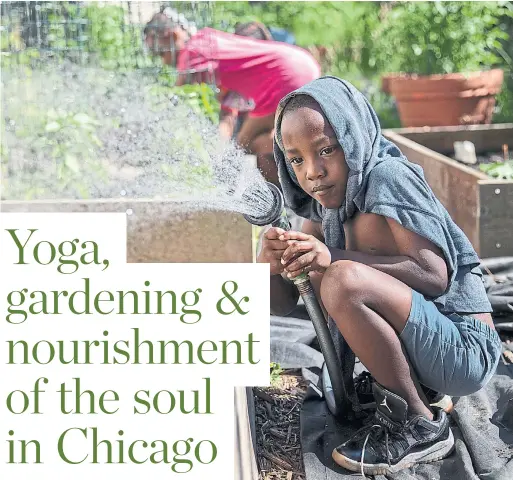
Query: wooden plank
{"points": [[486, 138], [496, 222], [164, 230], [455, 185], [419, 149], [245, 435]]}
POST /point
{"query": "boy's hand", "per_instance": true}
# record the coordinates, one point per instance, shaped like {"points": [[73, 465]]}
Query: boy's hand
{"points": [[304, 253], [272, 250]]}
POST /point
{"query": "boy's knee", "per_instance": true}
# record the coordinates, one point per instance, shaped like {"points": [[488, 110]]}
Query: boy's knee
{"points": [[462, 388], [343, 283]]}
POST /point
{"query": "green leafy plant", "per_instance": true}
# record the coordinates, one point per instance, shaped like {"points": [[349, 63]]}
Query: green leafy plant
{"points": [[276, 371], [118, 44], [501, 170], [58, 144], [442, 37], [504, 113], [201, 98]]}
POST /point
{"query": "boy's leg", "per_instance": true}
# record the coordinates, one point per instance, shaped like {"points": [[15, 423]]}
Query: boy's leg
{"points": [[371, 309]]}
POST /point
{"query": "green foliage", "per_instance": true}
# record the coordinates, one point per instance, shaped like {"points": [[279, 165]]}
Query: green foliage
{"points": [[501, 170], [118, 44], [201, 98], [60, 142], [276, 371], [61, 145], [98, 30], [442, 37], [504, 113]]}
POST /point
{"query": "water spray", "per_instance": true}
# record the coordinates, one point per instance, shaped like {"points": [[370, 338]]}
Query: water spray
{"points": [[276, 216]]}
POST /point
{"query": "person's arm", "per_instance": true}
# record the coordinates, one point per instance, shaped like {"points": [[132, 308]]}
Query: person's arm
{"points": [[420, 264], [181, 79], [227, 122]]}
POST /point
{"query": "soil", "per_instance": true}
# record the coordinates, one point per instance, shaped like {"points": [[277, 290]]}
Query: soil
{"points": [[277, 410]]}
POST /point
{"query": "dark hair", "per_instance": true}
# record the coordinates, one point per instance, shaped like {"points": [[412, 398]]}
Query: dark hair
{"points": [[299, 101], [255, 30], [295, 103], [159, 21]]}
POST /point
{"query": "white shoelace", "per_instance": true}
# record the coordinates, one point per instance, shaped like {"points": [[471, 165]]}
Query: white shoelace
{"points": [[363, 449]]}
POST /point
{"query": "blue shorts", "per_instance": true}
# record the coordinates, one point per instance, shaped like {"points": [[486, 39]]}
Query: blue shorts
{"points": [[452, 354]]}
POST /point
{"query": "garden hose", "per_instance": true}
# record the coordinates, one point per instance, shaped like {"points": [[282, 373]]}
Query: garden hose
{"points": [[336, 395]]}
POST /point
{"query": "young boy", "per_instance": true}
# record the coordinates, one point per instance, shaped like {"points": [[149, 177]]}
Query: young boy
{"points": [[397, 276], [263, 71]]}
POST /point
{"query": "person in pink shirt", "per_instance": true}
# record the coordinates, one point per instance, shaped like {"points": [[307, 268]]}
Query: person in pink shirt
{"points": [[262, 71]]}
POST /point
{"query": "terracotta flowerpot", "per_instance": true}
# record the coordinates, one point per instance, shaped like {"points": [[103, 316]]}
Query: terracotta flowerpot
{"points": [[386, 79], [443, 100]]}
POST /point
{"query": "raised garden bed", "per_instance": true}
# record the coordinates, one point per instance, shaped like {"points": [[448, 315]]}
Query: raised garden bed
{"points": [[277, 408], [171, 231], [481, 206]]}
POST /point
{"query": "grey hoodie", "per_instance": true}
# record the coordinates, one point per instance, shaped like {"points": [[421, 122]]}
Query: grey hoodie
{"points": [[382, 181]]}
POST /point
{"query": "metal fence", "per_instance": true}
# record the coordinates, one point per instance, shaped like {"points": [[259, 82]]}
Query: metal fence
{"points": [[108, 34], [82, 97]]}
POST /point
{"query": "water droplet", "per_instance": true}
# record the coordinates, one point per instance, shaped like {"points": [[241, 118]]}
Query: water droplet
{"points": [[123, 193], [497, 191], [129, 211], [498, 245]]}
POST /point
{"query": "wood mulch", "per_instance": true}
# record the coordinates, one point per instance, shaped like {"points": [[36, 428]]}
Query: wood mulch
{"points": [[277, 409]]}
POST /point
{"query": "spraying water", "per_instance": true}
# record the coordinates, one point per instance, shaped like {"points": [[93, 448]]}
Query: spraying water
{"points": [[75, 132], [71, 132]]}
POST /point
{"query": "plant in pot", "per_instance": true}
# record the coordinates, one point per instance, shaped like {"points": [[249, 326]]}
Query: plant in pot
{"points": [[446, 53]]}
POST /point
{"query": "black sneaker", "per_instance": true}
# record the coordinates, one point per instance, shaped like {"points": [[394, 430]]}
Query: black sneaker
{"points": [[363, 386], [393, 441]]}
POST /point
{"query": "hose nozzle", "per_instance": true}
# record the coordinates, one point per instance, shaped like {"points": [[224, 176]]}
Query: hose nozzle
{"points": [[272, 198]]}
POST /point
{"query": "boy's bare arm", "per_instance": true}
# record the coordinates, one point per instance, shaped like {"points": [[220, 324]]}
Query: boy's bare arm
{"points": [[181, 79], [420, 264]]}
